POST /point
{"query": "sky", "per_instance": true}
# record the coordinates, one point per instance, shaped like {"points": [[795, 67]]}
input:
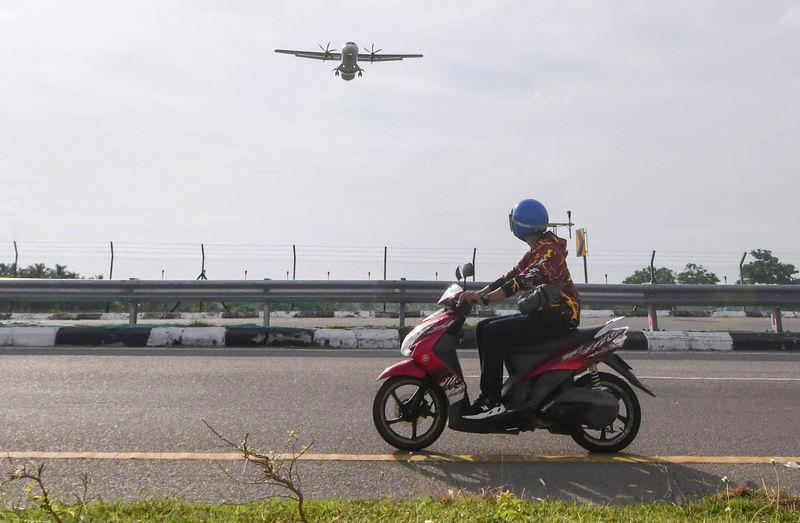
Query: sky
{"points": [[161, 125]]}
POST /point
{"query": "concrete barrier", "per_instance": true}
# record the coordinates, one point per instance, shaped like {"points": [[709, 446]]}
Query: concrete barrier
{"points": [[683, 341], [354, 338]]}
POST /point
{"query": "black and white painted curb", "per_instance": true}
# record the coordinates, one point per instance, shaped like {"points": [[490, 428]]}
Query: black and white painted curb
{"points": [[154, 336], [355, 338], [712, 341], [124, 336]]}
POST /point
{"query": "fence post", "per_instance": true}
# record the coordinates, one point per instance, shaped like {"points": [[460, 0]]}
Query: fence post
{"points": [[652, 317], [385, 252], [401, 315], [111, 267], [16, 258], [741, 264], [777, 319], [474, 254], [111, 273], [652, 267], [294, 269]]}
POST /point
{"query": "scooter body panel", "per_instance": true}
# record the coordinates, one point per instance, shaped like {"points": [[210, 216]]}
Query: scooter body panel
{"points": [[407, 367]]}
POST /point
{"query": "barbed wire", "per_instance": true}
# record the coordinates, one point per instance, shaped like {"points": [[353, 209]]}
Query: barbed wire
{"points": [[425, 258]]}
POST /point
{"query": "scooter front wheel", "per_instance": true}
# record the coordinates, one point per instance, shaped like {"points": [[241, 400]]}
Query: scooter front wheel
{"points": [[409, 413]]}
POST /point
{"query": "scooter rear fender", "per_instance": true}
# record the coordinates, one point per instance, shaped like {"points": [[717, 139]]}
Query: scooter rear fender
{"points": [[407, 367]]}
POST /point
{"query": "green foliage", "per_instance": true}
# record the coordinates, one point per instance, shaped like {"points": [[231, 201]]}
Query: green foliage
{"points": [[491, 507], [768, 269], [37, 270], [694, 274], [661, 275]]}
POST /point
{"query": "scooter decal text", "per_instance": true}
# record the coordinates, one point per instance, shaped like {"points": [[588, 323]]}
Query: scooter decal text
{"points": [[452, 385]]}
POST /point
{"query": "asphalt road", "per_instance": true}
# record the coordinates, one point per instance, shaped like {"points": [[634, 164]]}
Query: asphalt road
{"points": [[153, 400]]}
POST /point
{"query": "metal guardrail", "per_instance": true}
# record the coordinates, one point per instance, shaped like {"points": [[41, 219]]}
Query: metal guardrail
{"points": [[402, 292]]}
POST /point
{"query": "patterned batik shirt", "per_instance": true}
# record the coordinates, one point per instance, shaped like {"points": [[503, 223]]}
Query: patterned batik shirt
{"points": [[545, 263]]}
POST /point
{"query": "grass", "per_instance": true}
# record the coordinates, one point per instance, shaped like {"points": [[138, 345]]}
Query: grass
{"points": [[739, 505]]}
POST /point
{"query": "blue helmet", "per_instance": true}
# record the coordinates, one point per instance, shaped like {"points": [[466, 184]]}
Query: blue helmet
{"points": [[528, 217]]}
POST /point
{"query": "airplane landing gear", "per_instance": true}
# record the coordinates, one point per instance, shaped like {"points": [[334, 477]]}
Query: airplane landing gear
{"points": [[359, 74]]}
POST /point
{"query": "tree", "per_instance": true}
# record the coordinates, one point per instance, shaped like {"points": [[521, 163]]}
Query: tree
{"points": [[661, 275], [694, 274], [768, 269], [6, 271], [37, 270]]}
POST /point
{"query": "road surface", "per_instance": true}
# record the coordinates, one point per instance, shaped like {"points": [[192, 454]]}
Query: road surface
{"points": [[710, 407]]}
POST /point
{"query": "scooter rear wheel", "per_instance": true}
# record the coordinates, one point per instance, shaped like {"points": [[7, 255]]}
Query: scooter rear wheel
{"points": [[404, 425], [622, 430]]}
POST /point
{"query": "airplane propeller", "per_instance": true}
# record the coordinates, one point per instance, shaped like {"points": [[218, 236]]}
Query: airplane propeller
{"points": [[372, 52], [327, 50]]}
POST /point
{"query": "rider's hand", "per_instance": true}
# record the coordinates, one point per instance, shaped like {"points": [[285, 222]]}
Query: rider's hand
{"points": [[471, 297]]}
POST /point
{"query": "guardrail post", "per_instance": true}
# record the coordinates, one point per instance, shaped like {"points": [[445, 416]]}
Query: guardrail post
{"points": [[267, 308], [133, 307], [133, 312], [652, 318], [777, 320]]}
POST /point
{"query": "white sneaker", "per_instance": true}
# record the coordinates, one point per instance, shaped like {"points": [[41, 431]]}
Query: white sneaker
{"points": [[483, 409]]}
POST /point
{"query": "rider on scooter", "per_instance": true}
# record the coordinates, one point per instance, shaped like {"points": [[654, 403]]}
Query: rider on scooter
{"points": [[550, 308]]}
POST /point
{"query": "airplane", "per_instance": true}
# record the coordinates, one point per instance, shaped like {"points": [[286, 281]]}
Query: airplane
{"points": [[348, 68]]}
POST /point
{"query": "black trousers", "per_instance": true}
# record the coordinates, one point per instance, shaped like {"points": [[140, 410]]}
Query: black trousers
{"points": [[498, 336]]}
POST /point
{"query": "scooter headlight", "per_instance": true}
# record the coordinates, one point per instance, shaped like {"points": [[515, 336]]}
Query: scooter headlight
{"points": [[409, 341]]}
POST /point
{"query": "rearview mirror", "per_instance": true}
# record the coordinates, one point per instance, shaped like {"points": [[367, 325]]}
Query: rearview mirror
{"points": [[467, 270], [458, 273]]}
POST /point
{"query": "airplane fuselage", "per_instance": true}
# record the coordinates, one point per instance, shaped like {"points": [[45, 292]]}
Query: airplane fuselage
{"points": [[349, 66]]}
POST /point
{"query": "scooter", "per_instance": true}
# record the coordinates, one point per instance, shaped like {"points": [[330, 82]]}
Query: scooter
{"points": [[554, 385]]}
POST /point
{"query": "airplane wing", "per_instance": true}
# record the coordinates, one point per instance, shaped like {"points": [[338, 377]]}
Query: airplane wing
{"points": [[316, 55], [384, 57]]}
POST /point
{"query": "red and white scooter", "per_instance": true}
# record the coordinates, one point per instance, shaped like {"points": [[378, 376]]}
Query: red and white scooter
{"points": [[554, 385]]}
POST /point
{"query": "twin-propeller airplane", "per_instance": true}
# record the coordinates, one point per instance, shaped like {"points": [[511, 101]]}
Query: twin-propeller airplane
{"points": [[349, 57]]}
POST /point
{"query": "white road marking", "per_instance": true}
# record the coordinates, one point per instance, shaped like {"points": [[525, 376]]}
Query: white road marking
{"points": [[404, 457], [717, 378]]}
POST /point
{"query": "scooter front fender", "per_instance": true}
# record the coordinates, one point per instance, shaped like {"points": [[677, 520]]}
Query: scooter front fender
{"points": [[407, 367]]}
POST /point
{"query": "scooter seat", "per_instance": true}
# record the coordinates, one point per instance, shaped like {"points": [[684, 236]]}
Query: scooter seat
{"points": [[520, 360], [553, 345]]}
